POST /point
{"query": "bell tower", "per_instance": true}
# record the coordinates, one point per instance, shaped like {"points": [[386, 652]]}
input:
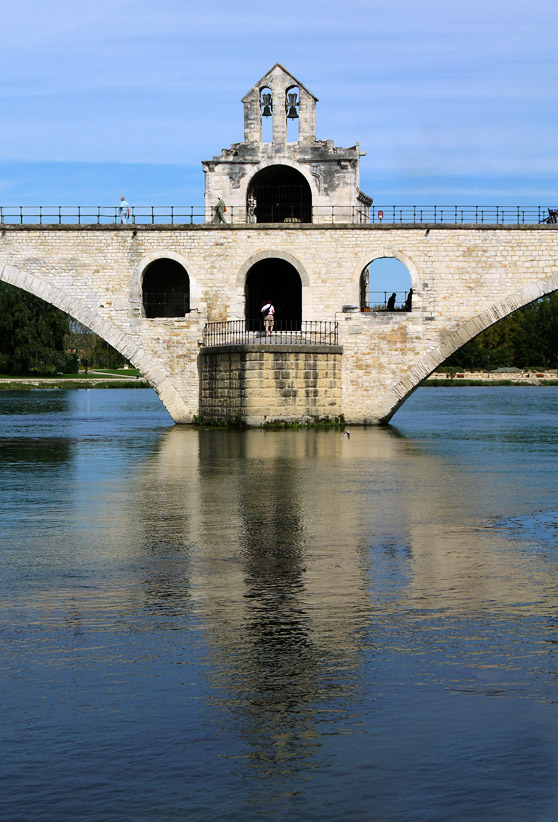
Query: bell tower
{"points": [[289, 176], [280, 96]]}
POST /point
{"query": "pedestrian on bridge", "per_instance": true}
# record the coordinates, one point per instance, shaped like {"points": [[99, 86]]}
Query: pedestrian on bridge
{"points": [[124, 210], [268, 311], [220, 209]]}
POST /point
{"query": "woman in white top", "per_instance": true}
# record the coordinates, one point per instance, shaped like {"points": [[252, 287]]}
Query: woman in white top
{"points": [[268, 310]]}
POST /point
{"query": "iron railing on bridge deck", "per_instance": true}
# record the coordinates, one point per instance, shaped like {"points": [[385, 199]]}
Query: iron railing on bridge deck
{"points": [[449, 215], [285, 332], [459, 215], [380, 301]]}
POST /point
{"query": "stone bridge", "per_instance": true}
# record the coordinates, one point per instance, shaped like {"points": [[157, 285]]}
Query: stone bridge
{"points": [[465, 278]]}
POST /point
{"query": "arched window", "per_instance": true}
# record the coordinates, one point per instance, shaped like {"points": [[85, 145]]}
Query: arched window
{"points": [[292, 109], [385, 285], [279, 194], [166, 289], [276, 281], [266, 110]]}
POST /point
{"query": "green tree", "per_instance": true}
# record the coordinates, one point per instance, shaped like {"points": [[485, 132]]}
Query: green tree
{"points": [[32, 333], [90, 346], [528, 338]]}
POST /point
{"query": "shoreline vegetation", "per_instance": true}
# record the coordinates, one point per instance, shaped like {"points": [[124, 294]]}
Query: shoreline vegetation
{"points": [[450, 377], [131, 378], [94, 378]]}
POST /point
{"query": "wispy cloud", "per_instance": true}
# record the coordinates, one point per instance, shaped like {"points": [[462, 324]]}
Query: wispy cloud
{"points": [[427, 89]]}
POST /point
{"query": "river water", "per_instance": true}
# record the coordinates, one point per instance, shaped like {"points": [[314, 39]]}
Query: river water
{"points": [[289, 625]]}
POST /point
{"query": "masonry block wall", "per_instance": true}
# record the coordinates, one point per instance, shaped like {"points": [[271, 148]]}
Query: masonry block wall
{"points": [[464, 279], [332, 173], [259, 384]]}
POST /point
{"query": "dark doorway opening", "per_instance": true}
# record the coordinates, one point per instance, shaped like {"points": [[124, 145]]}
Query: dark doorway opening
{"points": [[277, 281], [280, 194], [166, 289]]}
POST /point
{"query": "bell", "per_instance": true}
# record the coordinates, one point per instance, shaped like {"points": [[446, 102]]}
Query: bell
{"points": [[292, 113], [266, 105]]}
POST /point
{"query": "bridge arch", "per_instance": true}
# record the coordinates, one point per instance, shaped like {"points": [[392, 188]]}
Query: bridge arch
{"points": [[312, 179], [165, 289], [264, 255], [238, 303], [365, 261], [157, 377], [279, 193], [136, 292], [386, 285], [456, 338], [278, 281]]}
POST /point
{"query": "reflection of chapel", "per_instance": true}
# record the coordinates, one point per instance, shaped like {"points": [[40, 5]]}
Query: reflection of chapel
{"points": [[292, 177]]}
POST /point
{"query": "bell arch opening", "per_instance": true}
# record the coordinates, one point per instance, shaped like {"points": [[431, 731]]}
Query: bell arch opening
{"points": [[276, 281], [166, 289], [385, 285], [266, 112], [292, 108], [279, 194]]}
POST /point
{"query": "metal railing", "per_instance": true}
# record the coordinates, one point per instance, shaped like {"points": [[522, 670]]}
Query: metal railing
{"points": [[285, 332], [166, 304], [450, 215], [380, 301], [102, 215], [458, 215]]}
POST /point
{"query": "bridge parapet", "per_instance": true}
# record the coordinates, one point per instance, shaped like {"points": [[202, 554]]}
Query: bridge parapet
{"points": [[395, 215]]}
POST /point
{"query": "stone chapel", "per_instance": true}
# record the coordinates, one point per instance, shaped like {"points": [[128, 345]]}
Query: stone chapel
{"points": [[281, 172]]}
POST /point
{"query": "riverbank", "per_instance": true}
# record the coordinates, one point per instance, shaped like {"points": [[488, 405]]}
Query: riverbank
{"points": [[438, 379], [492, 378], [105, 378]]}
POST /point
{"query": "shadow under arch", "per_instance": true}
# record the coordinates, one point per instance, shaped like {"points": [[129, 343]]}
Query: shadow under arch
{"points": [[136, 285], [455, 339], [131, 351], [276, 280], [278, 194], [165, 289]]}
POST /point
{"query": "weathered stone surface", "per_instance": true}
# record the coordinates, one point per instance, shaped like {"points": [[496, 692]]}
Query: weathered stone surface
{"points": [[332, 173], [464, 280]]}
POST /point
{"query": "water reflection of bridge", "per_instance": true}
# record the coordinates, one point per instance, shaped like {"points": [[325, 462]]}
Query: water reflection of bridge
{"points": [[303, 552]]}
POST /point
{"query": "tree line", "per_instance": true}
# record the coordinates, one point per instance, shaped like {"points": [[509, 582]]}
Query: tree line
{"points": [[37, 338], [528, 338]]}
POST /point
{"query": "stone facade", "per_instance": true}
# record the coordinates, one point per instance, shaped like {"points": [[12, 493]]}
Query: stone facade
{"points": [[464, 279], [331, 173], [262, 384]]}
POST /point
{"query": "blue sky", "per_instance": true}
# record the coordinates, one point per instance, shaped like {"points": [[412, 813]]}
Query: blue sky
{"points": [[453, 104]]}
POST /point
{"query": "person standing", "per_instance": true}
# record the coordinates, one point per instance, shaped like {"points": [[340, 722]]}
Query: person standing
{"points": [[391, 303], [269, 320], [409, 300], [220, 209], [124, 210]]}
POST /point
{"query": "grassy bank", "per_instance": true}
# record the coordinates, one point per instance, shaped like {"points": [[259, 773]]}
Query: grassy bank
{"points": [[23, 384], [95, 378]]}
